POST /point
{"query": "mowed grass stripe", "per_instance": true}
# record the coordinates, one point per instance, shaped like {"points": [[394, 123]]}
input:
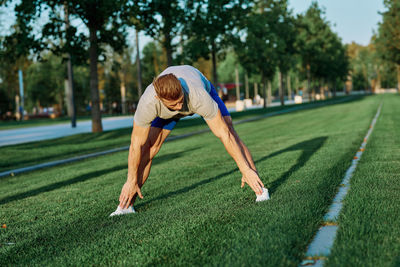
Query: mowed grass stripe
{"points": [[28, 154], [194, 211], [369, 233], [172, 137], [320, 248]]}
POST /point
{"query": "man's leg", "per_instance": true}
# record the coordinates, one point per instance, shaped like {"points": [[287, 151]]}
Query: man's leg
{"points": [[159, 131], [157, 137]]}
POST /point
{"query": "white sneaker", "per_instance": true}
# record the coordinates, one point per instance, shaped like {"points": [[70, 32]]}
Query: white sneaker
{"points": [[121, 211], [264, 196]]}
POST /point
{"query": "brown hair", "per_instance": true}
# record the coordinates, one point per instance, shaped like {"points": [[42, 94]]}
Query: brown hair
{"points": [[168, 87]]}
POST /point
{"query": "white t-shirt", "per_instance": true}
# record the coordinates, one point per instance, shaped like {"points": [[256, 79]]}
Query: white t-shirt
{"points": [[197, 99]]}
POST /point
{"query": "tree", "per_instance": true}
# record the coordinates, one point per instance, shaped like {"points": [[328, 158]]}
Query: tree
{"points": [[162, 20], [388, 40], [153, 62], [284, 26], [105, 21], [45, 82], [310, 41], [257, 48], [120, 70], [208, 23], [321, 51], [362, 65]]}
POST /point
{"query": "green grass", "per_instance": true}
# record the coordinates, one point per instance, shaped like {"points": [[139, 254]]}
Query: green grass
{"points": [[22, 155], [369, 226], [194, 211]]}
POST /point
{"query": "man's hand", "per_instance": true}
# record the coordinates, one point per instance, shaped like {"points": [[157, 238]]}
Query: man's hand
{"points": [[127, 193], [252, 179]]}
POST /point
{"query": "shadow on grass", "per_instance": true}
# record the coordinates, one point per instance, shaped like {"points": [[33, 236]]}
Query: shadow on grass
{"points": [[86, 176], [308, 148], [116, 138]]}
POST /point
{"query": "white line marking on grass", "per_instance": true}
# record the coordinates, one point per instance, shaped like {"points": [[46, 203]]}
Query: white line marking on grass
{"points": [[320, 248]]}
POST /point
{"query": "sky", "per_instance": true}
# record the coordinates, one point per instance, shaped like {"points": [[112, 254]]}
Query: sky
{"points": [[353, 20]]}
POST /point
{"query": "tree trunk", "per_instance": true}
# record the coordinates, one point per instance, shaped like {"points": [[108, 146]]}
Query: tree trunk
{"points": [[139, 66], [281, 88], [255, 89], [70, 95], [94, 82], [322, 89], [269, 95], [334, 88], [398, 78], [123, 94], [155, 63], [308, 82], [263, 85], [289, 86], [237, 84], [246, 81], [168, 48], [214, 64]]}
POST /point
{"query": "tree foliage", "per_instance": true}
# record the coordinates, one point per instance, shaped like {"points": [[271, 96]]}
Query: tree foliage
{"points": [[207, 27], [322, 53], [163, 21], [105, 21], [388, 40]]}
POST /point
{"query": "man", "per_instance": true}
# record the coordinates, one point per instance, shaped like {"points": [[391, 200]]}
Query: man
{"points": [[177, 92]]}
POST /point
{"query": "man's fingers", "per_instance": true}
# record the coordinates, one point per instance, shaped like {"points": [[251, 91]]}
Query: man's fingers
{"points": [[125, 202], [128, 202], [139, 193], [257, 189], [242, 185]]}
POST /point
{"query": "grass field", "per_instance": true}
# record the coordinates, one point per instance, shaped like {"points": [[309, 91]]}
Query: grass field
{"points": [[22, 155], [194, 211], [369, 233]]}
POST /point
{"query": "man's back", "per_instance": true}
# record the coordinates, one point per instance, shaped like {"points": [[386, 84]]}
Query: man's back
{"points": [[197, 99]]}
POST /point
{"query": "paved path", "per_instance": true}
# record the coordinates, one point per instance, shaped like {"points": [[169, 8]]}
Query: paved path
{"points": [[39, 133]]}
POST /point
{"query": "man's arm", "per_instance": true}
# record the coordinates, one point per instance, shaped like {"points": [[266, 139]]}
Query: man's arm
{"points": [[131, 187], [219, 127]]}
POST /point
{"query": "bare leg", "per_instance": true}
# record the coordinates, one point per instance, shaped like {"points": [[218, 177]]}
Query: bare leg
{"points": [[156, 138]]}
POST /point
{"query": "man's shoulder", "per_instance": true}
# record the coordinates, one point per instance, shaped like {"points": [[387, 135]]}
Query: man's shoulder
{"points": [[149, 94]]}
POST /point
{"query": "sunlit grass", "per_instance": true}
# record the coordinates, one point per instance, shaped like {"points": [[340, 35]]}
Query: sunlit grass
{"points": [[28, 154], [194, 211], [369, 233]]}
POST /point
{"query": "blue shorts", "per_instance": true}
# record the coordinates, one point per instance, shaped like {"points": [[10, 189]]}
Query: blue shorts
{"points": [[169, 124]]}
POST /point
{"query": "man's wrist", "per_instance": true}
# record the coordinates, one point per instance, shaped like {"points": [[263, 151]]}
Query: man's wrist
{"points": [[247, 169], [131, 180]]}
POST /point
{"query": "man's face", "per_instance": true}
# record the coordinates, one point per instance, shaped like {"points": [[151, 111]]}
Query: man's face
{"points": [[173, 104]]}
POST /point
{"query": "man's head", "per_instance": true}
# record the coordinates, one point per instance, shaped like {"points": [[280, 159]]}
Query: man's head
{"points": [[169, 90]]}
